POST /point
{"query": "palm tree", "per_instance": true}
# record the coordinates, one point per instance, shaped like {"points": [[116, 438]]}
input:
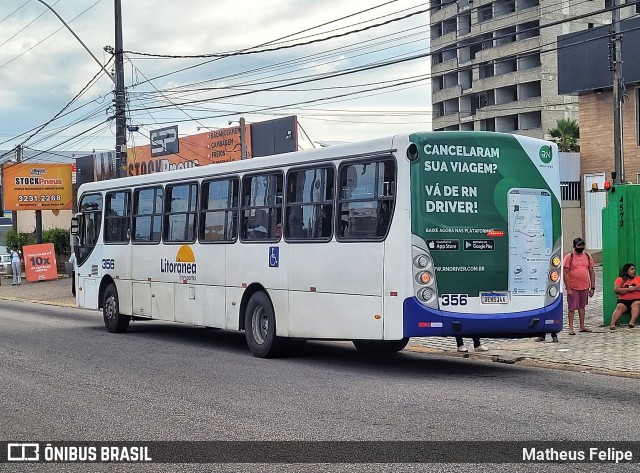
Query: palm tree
{"points": [[566, 134]]}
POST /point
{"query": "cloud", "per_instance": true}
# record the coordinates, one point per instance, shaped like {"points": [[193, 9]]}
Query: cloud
{"points": [[43, 73]]}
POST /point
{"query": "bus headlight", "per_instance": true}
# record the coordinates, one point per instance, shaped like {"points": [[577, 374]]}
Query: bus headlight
{"points": [[554, 276], [553, 291], [424, 277], [426, 295], [421, 261], [555, 261]]}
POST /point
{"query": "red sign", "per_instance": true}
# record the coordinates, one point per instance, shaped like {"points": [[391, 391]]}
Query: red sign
{"points": [[40, 262]]}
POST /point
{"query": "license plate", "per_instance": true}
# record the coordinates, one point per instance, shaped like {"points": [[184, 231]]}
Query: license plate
{"points": [[494, 297]]}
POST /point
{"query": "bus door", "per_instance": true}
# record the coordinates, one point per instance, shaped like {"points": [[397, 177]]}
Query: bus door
{"points": [[88, 223]]}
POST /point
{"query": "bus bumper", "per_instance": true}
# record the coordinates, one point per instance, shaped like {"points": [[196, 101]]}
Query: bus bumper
{"points": [[421, 321]]}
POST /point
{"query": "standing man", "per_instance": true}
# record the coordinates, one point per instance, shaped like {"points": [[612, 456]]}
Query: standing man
{"points": [[580, 282], [16, 266]]}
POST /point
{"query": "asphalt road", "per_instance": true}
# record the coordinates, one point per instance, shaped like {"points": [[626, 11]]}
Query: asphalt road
{"points": [[64, 377]]}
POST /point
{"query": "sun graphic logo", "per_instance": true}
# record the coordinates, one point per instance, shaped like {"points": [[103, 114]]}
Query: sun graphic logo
{"points": [[185, 264]]}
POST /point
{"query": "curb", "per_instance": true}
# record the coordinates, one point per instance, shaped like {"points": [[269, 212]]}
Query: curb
{"points": [[18, 299], [526, 361]]}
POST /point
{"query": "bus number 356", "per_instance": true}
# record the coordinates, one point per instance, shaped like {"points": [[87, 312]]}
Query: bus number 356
{"points": [[108, 264], [453, 299]]}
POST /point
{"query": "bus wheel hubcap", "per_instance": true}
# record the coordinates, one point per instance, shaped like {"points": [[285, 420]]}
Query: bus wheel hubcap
{"points": [[110, 308], [260, 325]]}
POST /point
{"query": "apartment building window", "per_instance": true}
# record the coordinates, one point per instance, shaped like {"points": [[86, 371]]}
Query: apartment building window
{"points": [[528, 62], [530, 29], [449, 26], [486, 70], [504, 7], [485, 13], [524, 4], [436, 31], [531, 120]]}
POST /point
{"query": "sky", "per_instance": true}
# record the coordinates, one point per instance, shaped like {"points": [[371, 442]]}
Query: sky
{"points": [[43, 68]]}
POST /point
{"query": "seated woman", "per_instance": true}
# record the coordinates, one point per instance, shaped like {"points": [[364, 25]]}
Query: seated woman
{"points": [[627, 287]]}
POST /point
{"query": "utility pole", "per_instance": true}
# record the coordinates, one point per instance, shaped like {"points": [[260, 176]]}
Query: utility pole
{"points": [[14, 213], [121, 119], [243, 140], [618, 94]]}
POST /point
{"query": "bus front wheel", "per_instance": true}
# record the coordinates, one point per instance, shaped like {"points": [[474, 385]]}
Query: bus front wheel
{"points": [[381, 346], [260, 327], [113, 319]]}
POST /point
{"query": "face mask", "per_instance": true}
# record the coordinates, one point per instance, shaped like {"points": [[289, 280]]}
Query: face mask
{"points": [[579, 250]]}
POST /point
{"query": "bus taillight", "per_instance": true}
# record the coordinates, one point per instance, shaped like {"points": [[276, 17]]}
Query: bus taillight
{"points": [[421, 261], [426, 295], [424, 277]]}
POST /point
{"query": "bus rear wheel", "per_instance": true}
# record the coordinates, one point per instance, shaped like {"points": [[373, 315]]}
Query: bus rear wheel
{"points": [[260, 328], [113, 319], [381, 346]]}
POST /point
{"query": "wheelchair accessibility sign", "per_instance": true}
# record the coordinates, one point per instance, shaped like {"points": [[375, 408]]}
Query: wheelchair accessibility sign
{"points": [[274, 256]]}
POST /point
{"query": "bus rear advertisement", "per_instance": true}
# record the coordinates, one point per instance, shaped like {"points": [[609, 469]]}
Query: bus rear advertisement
{"points": [[486, 213]]}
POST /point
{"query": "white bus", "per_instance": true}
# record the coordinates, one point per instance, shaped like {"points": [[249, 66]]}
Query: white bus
{"points": [[428, 234]]}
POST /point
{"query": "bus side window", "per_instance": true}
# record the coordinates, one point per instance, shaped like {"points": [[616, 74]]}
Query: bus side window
{"points": [[262, 206], [366, 199], [309, 207]]}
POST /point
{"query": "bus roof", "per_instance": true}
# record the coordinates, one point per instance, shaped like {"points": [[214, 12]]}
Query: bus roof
{"points": [[248, 165], [376, 146]]}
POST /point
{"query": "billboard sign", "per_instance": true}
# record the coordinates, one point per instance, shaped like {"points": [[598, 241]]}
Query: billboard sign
{"points": [[40, 262], [215, 146], [37, 186], [165, 141]]}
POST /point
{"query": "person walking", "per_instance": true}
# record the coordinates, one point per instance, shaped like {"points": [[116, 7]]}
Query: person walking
{"points": [[554, 338], [477, 346], [16, 265], [579, 281]]}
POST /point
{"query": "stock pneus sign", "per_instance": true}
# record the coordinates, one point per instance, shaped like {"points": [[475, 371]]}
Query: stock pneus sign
{"points": [[32, 186], [165, 141]]}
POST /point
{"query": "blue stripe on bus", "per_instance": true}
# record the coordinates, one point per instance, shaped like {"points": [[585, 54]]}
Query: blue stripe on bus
{"points": [[421, 321]]}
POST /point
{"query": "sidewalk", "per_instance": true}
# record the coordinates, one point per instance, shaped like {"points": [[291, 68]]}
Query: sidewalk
{"points": [[602, 351], [56, 292]]}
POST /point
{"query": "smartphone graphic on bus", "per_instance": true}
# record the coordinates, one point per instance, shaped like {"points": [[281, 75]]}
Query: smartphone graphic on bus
{"points": [[530, 240]]}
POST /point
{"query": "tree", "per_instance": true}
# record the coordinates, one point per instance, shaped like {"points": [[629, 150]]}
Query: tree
{"points": [[566, 134]]}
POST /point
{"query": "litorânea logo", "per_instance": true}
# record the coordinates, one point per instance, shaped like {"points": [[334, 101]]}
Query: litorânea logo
{"points": [[546, 154], [185, 264]]}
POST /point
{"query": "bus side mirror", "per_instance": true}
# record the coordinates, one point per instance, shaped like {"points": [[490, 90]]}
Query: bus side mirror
{"points": [[75, 225]]}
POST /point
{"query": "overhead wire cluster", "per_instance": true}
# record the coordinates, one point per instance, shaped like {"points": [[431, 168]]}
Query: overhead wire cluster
{"points": [[301, 85]]}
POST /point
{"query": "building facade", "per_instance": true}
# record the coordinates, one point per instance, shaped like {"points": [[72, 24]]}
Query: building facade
{"points": [[584, 70], [494, 62]]}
